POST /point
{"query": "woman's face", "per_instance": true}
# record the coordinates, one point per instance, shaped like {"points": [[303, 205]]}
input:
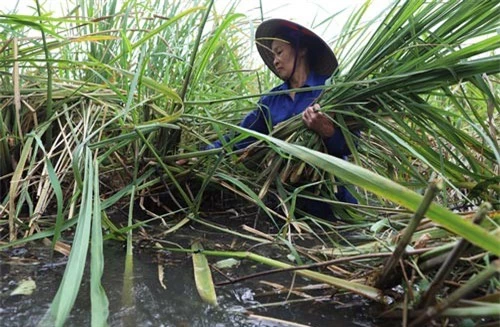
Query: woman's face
{"points": [[284, 56]]}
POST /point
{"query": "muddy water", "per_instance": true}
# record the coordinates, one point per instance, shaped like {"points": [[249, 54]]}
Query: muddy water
{"points": [[145, 302]]}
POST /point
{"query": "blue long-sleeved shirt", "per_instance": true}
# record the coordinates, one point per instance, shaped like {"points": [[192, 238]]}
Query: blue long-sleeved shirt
{"points": [[276, 108]]}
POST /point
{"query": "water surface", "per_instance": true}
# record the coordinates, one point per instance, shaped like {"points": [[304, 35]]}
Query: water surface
{"points": [[145, 302]]}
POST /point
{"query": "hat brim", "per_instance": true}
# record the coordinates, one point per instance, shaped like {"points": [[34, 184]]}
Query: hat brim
{"points": [[322, 58]]}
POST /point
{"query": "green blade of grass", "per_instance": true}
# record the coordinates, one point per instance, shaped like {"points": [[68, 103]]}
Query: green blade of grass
{"points": [[69, 287], [56, 185], [98, 298], [14, 186], [203, 275]]}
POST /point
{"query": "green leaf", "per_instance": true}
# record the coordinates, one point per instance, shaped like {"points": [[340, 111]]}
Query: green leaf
{"points": [[379, 225], [203, 275], [69, 287], [98, 298]]}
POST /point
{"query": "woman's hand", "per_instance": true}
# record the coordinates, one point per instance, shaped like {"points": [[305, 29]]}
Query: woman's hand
{"points": [[318, 121]]}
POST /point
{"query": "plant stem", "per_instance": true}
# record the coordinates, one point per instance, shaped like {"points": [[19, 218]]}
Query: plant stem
{"points": [[301, 267], [428, 298], [387, 274], [48, 109], [361, 289], [195, 51]]}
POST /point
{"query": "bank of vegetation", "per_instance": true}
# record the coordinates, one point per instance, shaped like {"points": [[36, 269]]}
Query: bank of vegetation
{"points": [[108, 108]]}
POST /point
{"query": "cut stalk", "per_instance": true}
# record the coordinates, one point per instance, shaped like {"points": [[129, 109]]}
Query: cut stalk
{"points": [[388, 275]]}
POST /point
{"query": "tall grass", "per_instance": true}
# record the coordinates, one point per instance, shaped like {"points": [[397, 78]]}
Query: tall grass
{"points": [[97, 106]]}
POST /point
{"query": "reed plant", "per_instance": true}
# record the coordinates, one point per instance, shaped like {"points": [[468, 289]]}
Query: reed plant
{"points": [[101, 105]]}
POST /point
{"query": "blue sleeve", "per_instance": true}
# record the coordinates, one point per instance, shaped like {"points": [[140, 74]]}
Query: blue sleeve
{"points": [[217, 144], [337, 145], [254, 120]]}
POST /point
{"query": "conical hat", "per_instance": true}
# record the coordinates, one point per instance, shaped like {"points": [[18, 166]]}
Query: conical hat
{"points": [[321, 57]]}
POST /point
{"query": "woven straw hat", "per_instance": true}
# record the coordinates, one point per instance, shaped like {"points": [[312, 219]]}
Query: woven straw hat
{"points": [[321, 58]]}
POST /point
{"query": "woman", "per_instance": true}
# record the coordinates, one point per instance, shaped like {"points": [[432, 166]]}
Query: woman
{"points": [[301, 59]]}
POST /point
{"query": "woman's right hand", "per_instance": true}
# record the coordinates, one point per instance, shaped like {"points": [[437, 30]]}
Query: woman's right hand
{"points": [[318, 121]]}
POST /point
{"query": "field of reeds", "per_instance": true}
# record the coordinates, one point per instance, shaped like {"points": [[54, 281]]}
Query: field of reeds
{"points": [[109, 107]]}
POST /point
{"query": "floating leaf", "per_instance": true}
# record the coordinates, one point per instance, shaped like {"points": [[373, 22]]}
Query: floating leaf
{"points": [[227, 263], [291, 257], [25, 287]]}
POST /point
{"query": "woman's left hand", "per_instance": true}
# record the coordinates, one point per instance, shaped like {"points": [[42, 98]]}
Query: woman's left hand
{"points": [[318, 121]]}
